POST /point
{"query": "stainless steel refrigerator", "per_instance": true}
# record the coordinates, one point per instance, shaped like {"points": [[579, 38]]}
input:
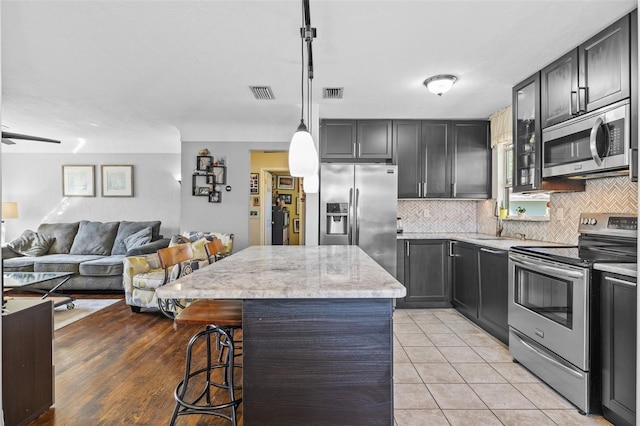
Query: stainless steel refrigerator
{"points": [[358, 206]]}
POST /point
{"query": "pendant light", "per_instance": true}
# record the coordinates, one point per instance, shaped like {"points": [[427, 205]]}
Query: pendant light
{"points": [[303, 157]]}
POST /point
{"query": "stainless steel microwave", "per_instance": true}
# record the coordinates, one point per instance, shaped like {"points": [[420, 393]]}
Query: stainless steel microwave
{"points": [[590, 145]]}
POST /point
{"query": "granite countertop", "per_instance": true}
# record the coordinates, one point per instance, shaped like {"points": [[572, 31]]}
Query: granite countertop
{"points": [[487, 240], [626, 269], [288, 272]]}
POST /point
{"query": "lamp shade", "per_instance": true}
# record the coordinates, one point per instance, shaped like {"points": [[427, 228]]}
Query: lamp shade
{"points": [[303, 157], [440, 84], [9, 210], [311, 183]]}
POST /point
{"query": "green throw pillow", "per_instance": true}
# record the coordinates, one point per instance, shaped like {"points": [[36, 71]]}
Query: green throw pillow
{"points": [[31, 243]]}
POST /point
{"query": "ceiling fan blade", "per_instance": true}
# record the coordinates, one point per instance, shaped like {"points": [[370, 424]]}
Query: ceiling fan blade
{"points": [[9, 135], [8, 141]]}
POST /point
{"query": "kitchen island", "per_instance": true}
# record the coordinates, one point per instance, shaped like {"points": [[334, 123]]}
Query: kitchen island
{"points": [[317, 332]]}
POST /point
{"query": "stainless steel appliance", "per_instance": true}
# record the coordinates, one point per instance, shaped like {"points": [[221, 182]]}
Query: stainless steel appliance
{"points": [[554, 305], [591, 145], [358, 207]]}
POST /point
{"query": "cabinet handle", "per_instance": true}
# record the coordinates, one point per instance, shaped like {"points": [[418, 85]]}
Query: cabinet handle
{"points": [[419, 190], [424, 189], [619, 281], [582, 100], [353, 151], [408, 250], [359, 149], [486, 250], [574, 101], [451, 254], [455, 189]]}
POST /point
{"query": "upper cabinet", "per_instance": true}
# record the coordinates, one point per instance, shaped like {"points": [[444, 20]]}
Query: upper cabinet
{"points": [[595, 74], [443, 159], [356, 140], [471, 160]]}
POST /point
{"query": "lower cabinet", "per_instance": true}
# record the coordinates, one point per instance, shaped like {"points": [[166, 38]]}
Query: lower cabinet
{"points": [[423, 269], [618, 313], [480, 286], [493, 289], [464, 267]]}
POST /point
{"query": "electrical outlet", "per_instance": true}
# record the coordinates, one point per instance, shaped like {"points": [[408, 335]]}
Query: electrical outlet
{"points": [[560, 214]]}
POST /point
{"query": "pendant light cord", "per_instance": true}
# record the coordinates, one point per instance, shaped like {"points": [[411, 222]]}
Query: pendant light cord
{"points": [[302, 31]]}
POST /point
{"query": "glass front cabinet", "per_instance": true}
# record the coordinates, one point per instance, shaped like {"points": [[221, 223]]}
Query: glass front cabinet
{"points": [[526, 135]]}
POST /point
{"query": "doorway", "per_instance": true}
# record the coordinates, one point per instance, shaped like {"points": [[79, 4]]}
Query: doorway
{"points": [[275, 199]]}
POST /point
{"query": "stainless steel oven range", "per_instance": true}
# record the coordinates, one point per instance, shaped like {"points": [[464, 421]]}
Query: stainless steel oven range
{"points": [[554, 305]]}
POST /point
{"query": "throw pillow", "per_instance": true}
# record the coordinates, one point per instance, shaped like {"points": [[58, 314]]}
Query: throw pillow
{"points": [[31, 243], [178, 239], [95, 238], [138, 239], [199, 252]]}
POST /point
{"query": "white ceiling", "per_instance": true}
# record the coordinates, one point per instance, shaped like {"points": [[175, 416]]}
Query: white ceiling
{"points": [[139, 76]]}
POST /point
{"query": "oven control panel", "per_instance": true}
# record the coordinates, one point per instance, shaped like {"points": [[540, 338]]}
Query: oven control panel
{"points": [[609, 223]]}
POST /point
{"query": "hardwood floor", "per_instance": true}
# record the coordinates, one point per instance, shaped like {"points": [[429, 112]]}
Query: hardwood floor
{"points": [[115, 367]]}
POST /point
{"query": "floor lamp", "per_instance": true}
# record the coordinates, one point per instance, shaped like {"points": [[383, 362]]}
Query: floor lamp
{"points": [[9, 211]]}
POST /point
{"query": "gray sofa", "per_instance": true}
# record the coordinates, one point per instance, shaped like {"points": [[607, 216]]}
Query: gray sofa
{"points": [[93, 251]]}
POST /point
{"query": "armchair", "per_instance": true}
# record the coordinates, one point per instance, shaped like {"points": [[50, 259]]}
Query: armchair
{"points": [[143, 274]]}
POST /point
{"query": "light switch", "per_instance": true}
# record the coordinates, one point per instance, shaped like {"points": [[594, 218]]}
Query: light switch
{"points": [[560, 214]]}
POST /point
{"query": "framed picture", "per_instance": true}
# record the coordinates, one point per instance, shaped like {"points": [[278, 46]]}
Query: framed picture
{"points": [[117, 181], [255, 201], [298, 206], [286, 182], [286, 198], [204, 162], [254, 214], [219, 174], [296, 225], [215, 197], [78, 181], [202, 191], [254, 183]]}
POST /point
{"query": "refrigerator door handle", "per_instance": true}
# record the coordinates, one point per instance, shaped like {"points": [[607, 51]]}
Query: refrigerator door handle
{"points": [[349, 218], [357, 217]]}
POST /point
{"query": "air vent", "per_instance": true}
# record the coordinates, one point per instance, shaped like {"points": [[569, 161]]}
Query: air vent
{"points": [[262, 92], [332, 92]]}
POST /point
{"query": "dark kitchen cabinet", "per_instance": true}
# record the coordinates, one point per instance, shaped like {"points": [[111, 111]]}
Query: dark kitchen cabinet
{"points": [[27, 360], [595, 74], [493, 288], [618, 313], [408, 138], [464, 278], [443, 159], [356, 140], [527, 142], [425, 269], [471, 160]]}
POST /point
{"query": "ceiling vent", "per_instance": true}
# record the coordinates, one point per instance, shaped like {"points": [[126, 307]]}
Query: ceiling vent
{"points": [[332, 92], [262, 92]]}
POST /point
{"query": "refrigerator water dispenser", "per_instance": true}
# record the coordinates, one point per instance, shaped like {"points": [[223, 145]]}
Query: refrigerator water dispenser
{"points": [[337, 218]]}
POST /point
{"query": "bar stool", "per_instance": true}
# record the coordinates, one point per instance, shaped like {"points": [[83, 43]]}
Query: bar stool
{"points": [[170, 257], [221, 319], [214, 250]]}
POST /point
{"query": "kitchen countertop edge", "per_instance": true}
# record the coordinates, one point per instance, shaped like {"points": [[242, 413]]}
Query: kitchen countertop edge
{"points": [[486, 240]]}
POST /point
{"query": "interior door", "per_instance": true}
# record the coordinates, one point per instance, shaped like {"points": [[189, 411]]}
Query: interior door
{"points": [[266, 208]]}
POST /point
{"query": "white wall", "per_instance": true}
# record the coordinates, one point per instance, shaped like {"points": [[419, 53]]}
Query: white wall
{"points": [[232, 214], [34, 181]]}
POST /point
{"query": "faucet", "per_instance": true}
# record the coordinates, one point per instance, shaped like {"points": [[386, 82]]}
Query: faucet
{"points": [[499, 227], [519, 235]]}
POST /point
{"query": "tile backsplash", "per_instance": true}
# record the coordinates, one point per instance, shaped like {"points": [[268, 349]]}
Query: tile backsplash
{"points": [[438, 215], [612, 195]]}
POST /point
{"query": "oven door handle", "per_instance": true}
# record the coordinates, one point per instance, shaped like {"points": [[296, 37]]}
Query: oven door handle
{"points": [[547, 357], [549, 269]]}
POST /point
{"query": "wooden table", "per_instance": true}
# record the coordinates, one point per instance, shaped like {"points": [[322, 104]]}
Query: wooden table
{"points": [[317, 332]]}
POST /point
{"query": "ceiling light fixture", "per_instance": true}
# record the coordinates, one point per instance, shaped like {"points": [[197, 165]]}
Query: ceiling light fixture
{"points": [[440, 84], [303, 157]]}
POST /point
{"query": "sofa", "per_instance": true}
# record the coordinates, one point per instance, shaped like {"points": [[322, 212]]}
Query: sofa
{"points": [[93, 251], [142, 274]]}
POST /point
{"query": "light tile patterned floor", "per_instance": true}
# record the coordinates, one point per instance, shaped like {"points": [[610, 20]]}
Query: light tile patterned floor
{"points": [[448, 371]]}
